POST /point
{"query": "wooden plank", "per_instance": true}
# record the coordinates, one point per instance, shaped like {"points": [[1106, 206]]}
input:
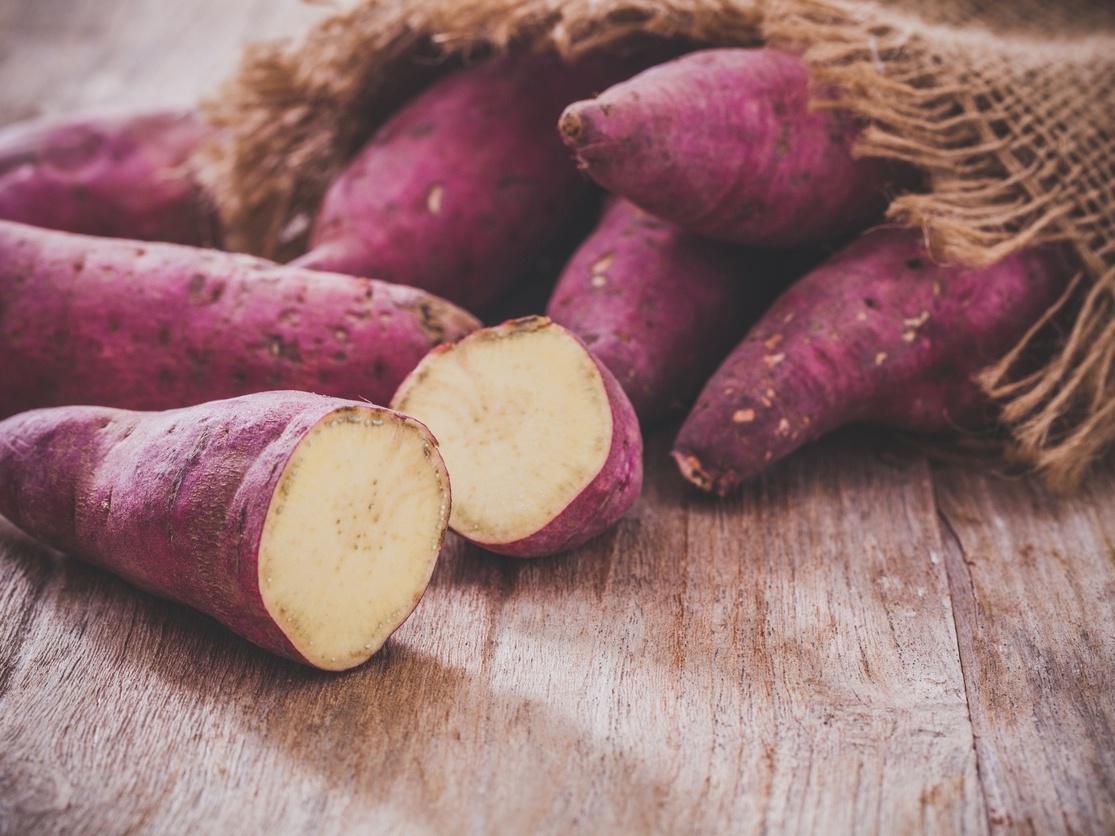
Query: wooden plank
{"points": [[1033, 589]]}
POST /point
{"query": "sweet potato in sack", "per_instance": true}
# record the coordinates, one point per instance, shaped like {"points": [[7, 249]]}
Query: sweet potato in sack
{"points": [[725, 143], [541, 443], [87, 320], [879, 333], [308, 525], [661, 307], [121, 174], [466, 184]]}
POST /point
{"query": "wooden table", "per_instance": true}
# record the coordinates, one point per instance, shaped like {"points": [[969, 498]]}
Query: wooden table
{"points": [[862, 641]]}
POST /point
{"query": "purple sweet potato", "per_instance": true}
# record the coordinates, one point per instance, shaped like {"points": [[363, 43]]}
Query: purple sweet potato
{"points": [[877, 334], [308, 525], [460, 190], [124, 174], [137, 325], [541, 443], [725, 143], [661, 307]]}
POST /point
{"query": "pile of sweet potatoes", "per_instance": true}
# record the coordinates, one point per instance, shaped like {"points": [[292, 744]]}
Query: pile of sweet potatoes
{"points": [[203, 423]]}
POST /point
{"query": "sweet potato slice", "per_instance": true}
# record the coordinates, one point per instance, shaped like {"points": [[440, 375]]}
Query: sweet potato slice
{"points": [[541, 443]]}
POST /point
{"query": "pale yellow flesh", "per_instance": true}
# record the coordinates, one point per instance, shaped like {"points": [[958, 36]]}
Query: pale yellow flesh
{"points": [[523, 421], [352, 535]]}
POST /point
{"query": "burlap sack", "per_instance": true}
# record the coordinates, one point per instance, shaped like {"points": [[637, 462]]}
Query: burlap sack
{"points": [[1008, 107]]}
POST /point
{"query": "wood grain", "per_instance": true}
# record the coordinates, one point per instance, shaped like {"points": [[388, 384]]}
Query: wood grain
{"points": [[858, 642], [1033, 589]]}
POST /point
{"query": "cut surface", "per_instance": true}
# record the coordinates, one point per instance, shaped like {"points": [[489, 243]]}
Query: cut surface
{"points": [[523, 421], [352, 534]]}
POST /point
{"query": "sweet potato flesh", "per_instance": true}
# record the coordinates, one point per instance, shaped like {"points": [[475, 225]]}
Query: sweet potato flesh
{"points": [[523, 421], [352, 535]]}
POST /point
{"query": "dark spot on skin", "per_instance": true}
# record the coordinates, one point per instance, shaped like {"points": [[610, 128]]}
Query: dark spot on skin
{"points": [[199, 362], [512, 181], [915, 264], [340, 356], [277, 347], [114, 323], [240, 376], [424, 129], [430, 325], [871, 303], [79, 265], [379, 370], [166, 381], [197, 293], [164, 336], [748, 209]]}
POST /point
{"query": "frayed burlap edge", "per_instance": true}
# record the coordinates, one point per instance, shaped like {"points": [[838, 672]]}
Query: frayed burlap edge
{"points": [[1001, 177], [295, 113]]}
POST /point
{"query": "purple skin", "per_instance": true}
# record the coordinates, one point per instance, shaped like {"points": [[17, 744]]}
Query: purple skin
{"points": [[877, 334], [605, 499], [171, 502], [87, 320], [723, 143], [460, 190], [120, 175], [661, 307]]}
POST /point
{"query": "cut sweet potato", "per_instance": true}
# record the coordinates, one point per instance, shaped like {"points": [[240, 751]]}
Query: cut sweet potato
{"points": [[541, 443], [308, 525]]}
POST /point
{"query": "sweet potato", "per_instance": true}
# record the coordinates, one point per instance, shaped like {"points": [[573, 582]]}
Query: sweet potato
{"points": [[879, 333], [308, 525], [661, 307], [87, 320], [121, 174], [461, 188], [724, 143], [542, 445]]}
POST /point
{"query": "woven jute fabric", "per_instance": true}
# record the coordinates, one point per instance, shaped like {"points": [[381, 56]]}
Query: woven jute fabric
{"points": [[1007, 107]]}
